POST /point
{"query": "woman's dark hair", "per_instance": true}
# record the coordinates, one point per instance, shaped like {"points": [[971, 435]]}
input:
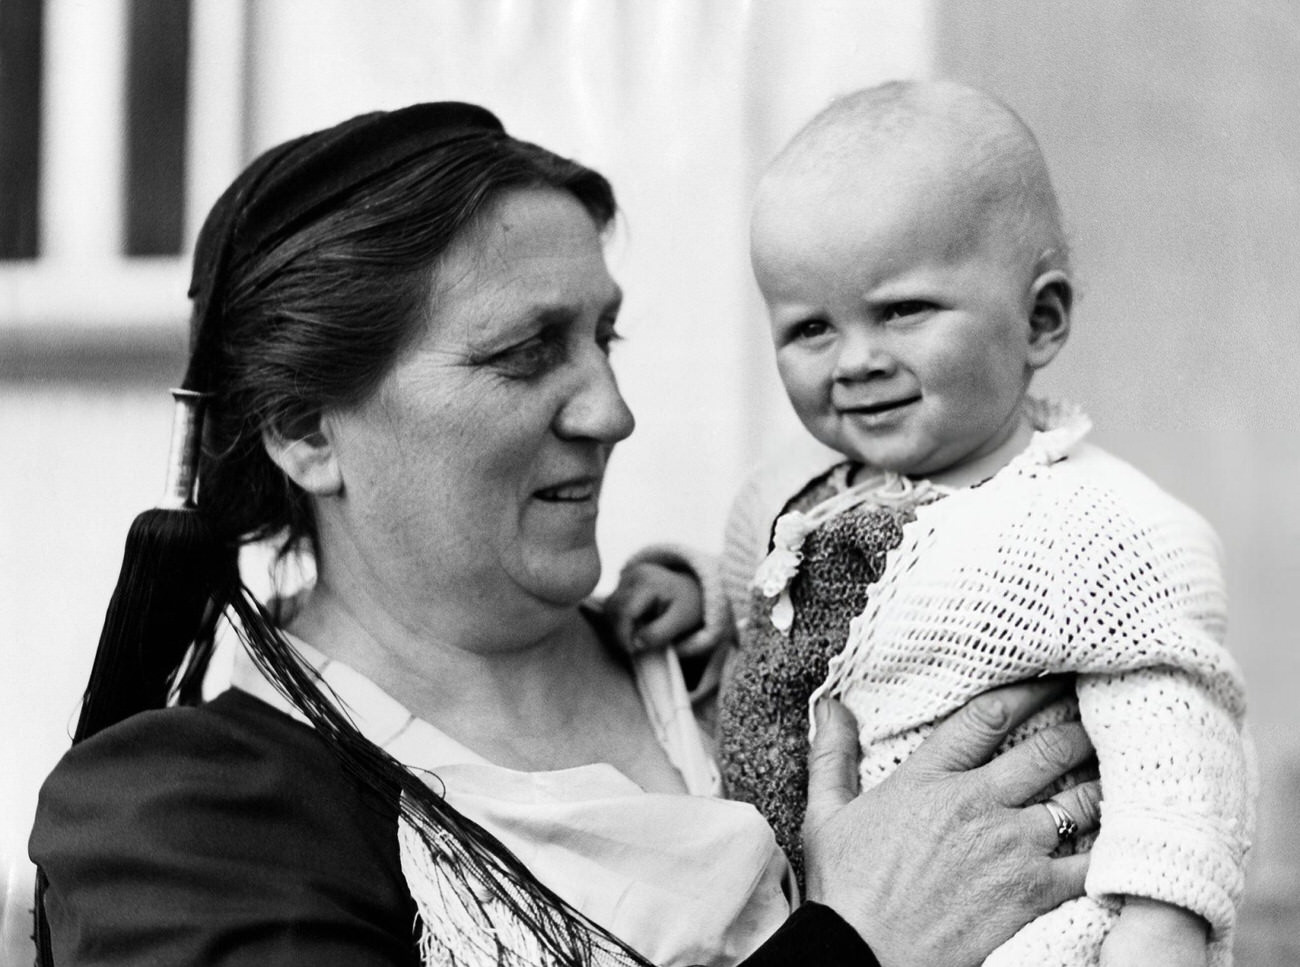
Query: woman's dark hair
{"points": [[312, 274]]}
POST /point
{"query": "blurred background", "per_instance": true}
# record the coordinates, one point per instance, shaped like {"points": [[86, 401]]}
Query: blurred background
{"points": [[1172, 129]]}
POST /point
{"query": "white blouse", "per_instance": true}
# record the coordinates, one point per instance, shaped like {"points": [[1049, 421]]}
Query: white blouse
{"points": [[683, 879]]}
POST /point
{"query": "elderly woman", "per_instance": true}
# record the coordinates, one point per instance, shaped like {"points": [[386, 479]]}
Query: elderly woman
{"points": [[436, 755]]}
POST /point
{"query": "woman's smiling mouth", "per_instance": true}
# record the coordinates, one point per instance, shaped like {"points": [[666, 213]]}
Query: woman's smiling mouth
{"points": [[573, 491]]}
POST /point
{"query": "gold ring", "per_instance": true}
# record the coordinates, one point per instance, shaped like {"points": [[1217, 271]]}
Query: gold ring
{"points": [[1066, 827]]}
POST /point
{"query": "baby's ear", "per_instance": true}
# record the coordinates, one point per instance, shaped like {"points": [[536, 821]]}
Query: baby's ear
{"points": [[306, 456], [1052, 295]]}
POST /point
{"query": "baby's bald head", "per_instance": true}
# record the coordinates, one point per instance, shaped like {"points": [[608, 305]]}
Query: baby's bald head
{"points": [[908, 247], [946, 138]]}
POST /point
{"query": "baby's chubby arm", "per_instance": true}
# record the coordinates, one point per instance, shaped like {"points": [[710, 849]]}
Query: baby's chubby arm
{"points": [[1150, 933]]}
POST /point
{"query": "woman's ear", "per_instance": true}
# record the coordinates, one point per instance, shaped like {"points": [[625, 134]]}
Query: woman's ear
{"points": [[1052, 296], [307, 457]]}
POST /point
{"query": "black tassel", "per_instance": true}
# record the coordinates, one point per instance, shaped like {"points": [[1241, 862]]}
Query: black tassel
{"points": [[168, 574]]}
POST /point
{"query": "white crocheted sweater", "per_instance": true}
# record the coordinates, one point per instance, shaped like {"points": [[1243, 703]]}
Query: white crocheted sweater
{"points": [[1068, 560]]}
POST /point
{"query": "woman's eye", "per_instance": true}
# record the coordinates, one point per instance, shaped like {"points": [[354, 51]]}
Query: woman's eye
{"points": [[906, 309], [607, 335], [533, 357]]}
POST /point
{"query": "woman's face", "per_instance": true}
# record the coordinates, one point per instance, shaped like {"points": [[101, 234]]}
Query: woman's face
{"points": [[475, 471]]}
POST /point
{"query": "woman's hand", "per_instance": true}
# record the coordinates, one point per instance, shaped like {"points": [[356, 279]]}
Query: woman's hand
{"points": [[942, 862]]}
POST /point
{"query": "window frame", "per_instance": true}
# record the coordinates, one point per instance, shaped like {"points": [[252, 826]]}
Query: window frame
{"points": [[82, 287]]}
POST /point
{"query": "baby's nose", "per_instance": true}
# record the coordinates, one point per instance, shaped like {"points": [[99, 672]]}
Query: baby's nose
{"points": [[863, 354]]}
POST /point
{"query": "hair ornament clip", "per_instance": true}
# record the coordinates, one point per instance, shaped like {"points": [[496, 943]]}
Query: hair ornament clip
{"points": [[183, 460]]}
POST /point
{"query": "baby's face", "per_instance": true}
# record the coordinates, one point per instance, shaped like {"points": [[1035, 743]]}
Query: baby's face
{"points": [[902, 331]]}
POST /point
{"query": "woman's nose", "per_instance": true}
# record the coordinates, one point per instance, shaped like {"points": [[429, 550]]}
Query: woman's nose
{"points": [[862, 354], [596, 410]]}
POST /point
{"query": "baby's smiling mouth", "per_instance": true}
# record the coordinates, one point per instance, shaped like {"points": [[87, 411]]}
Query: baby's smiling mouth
{"points": [[880, 407]]}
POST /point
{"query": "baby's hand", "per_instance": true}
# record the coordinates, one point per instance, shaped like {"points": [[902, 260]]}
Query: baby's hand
{"points": [[1154, 934], [654, 606]]}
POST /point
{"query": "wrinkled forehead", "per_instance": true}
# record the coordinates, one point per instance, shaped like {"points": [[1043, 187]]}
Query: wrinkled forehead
{"points": [[517, 227], [531, 251]]}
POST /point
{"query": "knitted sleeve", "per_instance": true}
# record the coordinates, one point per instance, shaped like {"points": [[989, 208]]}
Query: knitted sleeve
{"points": [[1163, 702]]}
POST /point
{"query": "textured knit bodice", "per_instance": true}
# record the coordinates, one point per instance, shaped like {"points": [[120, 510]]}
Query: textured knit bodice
{"points": [[763, 710]]}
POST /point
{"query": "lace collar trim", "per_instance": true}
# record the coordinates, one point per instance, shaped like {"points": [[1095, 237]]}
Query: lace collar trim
{"points": [[1058, 428]]}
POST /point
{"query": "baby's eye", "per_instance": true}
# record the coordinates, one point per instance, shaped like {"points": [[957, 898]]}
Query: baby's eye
{"points": [[808, 329], [906, 309]]}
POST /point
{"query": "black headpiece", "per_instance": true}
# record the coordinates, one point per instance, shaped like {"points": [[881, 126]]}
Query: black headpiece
{"points": [[295, 182]]}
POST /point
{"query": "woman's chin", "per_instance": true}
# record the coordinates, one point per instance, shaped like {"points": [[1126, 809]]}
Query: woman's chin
{"points": [[566, 578]]}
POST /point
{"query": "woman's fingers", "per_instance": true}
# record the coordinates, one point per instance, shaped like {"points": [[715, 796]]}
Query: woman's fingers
{"points": [[1021, 772], [832, 764], [1084, 803], [1067, 814], [1063, 881], [969, 737]]}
